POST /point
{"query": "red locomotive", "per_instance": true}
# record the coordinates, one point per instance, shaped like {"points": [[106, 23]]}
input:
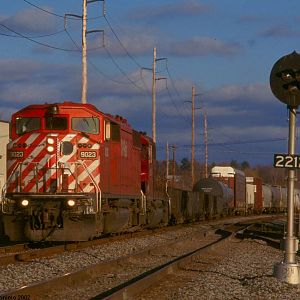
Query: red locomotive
{"points": [[74, 173]]}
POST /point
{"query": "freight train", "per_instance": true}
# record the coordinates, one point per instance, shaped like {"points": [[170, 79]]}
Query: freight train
{"points": [[75, 173]]}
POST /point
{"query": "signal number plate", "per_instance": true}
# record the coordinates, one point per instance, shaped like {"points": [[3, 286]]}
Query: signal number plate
{"points": [[16, 154], [88, 154], [287, 161]]}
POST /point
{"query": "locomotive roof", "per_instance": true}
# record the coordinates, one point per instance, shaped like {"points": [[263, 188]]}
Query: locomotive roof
{"points": [[65, 104], [74, 105]]}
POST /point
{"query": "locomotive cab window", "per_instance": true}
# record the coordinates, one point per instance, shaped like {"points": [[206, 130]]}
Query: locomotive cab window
{"points": [[24, 125], [56, 123], [86, 124]]}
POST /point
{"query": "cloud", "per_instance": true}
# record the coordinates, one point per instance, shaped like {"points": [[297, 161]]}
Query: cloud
{"points": [[199, 46], [137, 41], [258, 92], [235, 134], [279, 31], [31, 21], [25, 81], [186, 8]]}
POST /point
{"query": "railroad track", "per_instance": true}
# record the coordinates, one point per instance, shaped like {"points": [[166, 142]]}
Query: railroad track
{"points": [[25, 252], [28, 251], [126, 276], [114, 272]]}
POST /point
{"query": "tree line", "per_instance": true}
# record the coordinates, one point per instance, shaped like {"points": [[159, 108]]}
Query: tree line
{"points": [[268, 174]]}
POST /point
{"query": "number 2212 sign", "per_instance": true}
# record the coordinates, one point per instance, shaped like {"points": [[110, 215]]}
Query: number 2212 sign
{"points": [[287, 161]]}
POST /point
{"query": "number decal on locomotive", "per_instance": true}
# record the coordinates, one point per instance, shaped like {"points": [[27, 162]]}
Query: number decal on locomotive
{"points": [[88, 154], [16, 154], [287, 161]]}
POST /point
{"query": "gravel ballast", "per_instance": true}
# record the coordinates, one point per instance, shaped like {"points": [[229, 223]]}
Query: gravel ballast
{"points": [[239, 270]]}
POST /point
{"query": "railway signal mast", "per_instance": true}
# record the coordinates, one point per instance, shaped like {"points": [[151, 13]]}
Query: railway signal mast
{"points": [[285, 85]]}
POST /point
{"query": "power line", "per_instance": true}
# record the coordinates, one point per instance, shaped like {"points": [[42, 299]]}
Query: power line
{"points": [[44, 10], [36, 42], [36, 36], [54, 14], [92, 64], [120, 42], [237, 143], [122, 71]]}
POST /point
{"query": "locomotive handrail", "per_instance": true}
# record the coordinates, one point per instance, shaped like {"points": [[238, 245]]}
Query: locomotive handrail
{"points": [[98, 193], [4, 188]]}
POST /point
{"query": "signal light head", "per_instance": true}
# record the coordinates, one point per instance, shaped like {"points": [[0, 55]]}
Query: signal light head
{"points": [[287, 76]]}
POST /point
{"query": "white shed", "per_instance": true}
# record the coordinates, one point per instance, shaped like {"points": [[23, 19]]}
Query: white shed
{"points": [[4, 139]]}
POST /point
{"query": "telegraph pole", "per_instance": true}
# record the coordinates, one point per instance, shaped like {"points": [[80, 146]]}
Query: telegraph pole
{"points": [[174, 162], [83, 17], [154, 96], [206, 145], [155, 59], [84, 62], [167, 167], [193, 135]]}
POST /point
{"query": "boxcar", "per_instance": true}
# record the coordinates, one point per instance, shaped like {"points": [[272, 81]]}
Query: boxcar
{"points": [[254, 199]]}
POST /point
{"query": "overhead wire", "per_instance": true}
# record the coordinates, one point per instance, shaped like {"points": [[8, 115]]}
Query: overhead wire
{"points": [[36, 42], [35, 36], [92, 64], [120, 42], [56, 15], [121, 70]]}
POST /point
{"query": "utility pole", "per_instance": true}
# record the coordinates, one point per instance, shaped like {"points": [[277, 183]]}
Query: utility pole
{"points": [[84, 62], [154, 92], [83, 17], [206, 145], [167, 167], [154, 96], [193, 136], [174, 162]]}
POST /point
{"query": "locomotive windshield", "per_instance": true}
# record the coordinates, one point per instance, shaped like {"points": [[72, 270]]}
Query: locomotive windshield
{"points": [[56, 123], [88, 125], [24, 125]]}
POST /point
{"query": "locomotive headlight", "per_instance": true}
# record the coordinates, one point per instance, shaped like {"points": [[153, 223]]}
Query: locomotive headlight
{"points": [[71, 203], [50, 149], [24, 202], [50, 141]]}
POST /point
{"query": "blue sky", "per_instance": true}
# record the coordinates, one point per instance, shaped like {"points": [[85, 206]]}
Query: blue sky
{"points": [[225, 48]]}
